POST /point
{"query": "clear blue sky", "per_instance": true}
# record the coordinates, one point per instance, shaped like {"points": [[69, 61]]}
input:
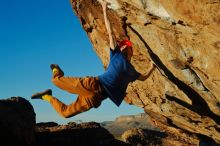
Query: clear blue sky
{"points": [[35, 34]]}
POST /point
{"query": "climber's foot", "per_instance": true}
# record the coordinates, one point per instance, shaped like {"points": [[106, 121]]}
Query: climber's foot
{"points": [[39, 95], [56, 70]]}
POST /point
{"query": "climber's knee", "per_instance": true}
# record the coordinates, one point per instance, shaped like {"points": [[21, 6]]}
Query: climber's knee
{"points": [[96, 100]]}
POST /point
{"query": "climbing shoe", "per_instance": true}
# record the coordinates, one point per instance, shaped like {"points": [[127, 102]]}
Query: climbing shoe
{"points": [[39, 95], [56, 70]]}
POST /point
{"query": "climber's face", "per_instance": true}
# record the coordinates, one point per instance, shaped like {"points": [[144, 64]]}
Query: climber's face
{"points": [[127, 51]]}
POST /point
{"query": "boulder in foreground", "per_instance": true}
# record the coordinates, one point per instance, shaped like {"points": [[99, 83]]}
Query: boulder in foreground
{"points": [[84, 134], [17, 122]]}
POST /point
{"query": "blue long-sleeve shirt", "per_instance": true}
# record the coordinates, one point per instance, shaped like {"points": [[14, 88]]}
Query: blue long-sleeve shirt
{"points": [[117, 76]]}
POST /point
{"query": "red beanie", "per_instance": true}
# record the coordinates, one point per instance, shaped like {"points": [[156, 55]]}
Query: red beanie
{"points": [[125, 42]]}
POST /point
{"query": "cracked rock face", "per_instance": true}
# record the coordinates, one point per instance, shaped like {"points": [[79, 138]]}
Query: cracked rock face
{"points": [[183, 39]]}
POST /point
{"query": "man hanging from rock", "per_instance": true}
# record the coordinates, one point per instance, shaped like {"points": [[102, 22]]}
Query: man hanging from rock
{"points": [[93, 90]]}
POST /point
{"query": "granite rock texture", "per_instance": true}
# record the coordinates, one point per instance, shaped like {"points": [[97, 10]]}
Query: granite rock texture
{"points": [[182, 38], [142, 137]]}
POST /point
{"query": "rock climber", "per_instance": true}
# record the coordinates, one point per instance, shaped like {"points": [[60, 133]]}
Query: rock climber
{"points": [[93, 90]]}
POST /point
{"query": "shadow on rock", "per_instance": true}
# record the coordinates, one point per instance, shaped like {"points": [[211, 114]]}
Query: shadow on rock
{"points": [[142, 137], [84, 134], [17, 122]]}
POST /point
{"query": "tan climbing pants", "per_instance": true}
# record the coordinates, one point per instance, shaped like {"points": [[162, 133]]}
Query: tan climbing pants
{"points": [[88, 90]]}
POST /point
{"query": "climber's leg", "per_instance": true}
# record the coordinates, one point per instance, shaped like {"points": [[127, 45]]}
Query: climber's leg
{"points": [[69, 84], [82, 86], [82, 104], [66, 111]]}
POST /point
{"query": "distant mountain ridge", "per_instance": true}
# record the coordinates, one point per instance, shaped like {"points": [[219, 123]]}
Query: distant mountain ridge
{"points": [[124, 118], [125, 122]]}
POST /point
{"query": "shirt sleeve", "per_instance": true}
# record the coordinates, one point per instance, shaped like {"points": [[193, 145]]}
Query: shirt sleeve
{"points": [[134, 75], [114, 51]]}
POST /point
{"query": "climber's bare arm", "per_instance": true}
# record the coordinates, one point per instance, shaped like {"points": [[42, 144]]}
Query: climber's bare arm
{"points": [[112, 41], [143, 77]]}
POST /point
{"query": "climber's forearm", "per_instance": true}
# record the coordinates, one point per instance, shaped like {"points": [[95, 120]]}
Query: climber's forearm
{"points": [[112, 42], [107, 23], [143, 77], [110, 34]]}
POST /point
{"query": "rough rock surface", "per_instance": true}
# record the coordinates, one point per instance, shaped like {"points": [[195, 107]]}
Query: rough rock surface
{"points": [[141, 137], [84, 134], [146, 137], [183, 39], [17, 122]]}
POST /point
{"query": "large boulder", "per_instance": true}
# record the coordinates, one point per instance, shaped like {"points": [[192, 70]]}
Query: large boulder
{"points": [[142, 137], [182, 38], [17, 122], [84, 134]]}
